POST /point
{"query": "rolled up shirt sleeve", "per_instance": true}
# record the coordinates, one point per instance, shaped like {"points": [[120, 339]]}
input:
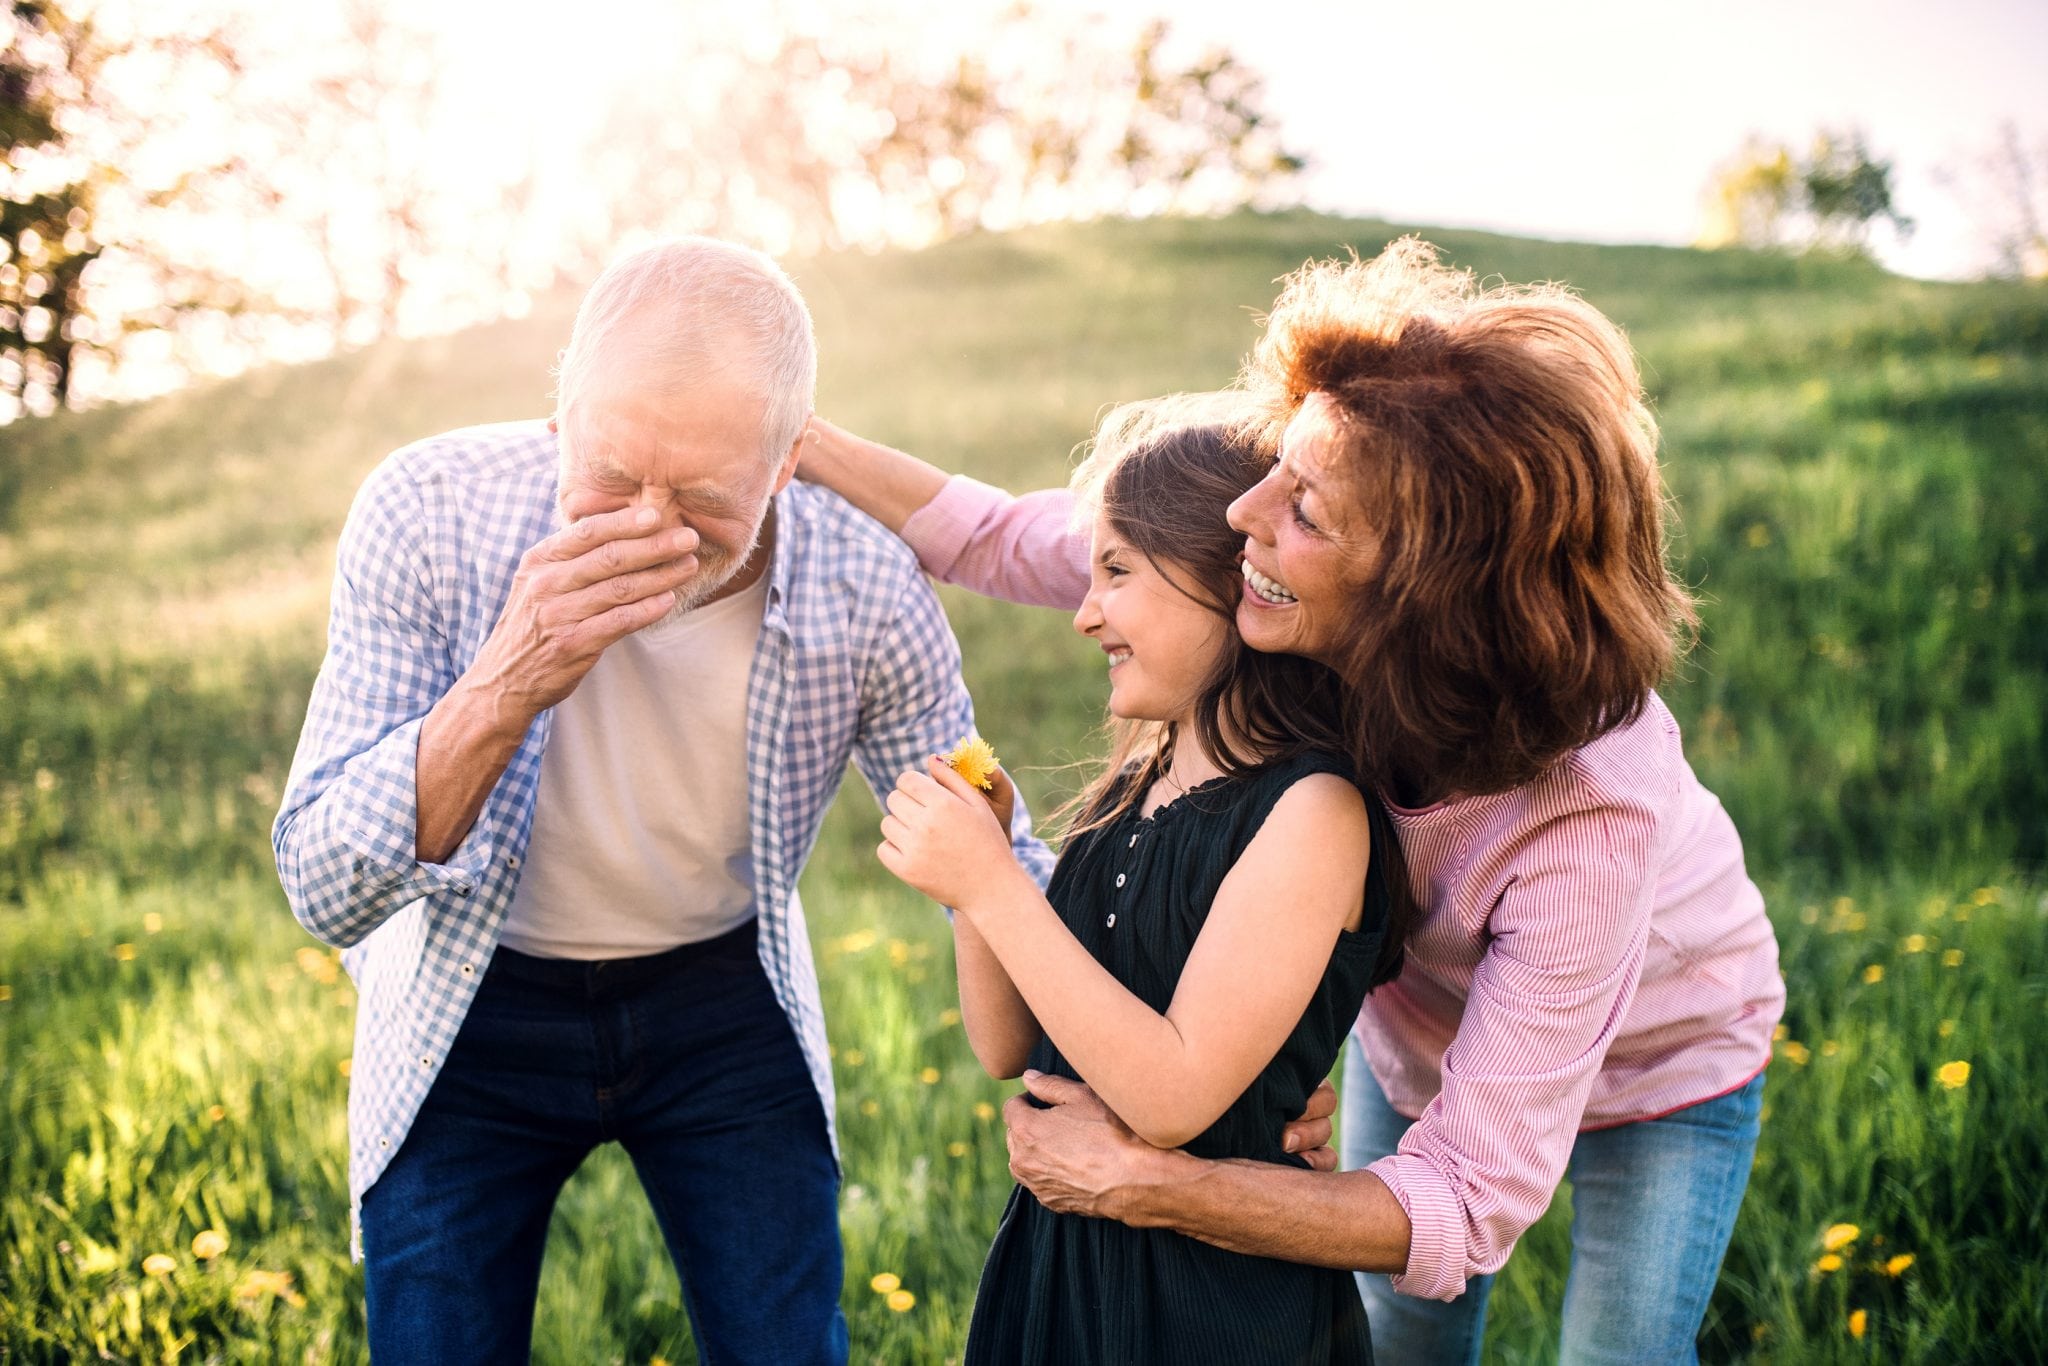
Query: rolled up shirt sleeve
{"points": [[1567, 942], [1020, 548], [345, 838]]}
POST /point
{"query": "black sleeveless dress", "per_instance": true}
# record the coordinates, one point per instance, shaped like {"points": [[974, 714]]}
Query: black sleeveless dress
{"points": [[1068, 1290]]}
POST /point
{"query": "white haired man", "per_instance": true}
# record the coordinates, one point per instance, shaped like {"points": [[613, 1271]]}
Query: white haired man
{"points": [[590, 685]]}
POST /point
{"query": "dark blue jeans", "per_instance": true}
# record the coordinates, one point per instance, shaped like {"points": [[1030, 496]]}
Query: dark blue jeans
{"points": [[687, 1061]]}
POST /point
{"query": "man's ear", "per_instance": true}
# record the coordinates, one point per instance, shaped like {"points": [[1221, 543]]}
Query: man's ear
{"points": [[787, 471]]}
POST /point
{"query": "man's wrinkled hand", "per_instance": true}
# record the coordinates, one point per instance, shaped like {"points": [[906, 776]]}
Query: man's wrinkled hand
{"points": [[1077, 1157], [583, 588]]}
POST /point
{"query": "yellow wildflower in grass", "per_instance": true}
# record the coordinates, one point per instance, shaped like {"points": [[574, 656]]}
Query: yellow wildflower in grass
{"points": [[1915, 943], [975, 760], [948, 1018], [1945, 1028], [984, 1111], [1985, 896], [1859, 1323], [1896, 1267], [98, 1259], [1758, 536], [159, 1264], [1795, 1052], [956, 1149], [885, 1282], [1809, 915], [152, 923], [1953, 1074], [1843, 905], [124, 953], [1873, 974], [853, 1057], [1780, 1034], [1839, 1236], [345, 1066], [6, 992], [1829, 1048], [1829, 1261], [1952, 958], [902, 1301], [216, 1113], [871, 1107], [254, 1285], [930, 1076], [210, 1243]]}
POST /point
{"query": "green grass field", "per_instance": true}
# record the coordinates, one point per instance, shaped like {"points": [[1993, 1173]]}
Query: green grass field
{"points": [[1860, 471]]}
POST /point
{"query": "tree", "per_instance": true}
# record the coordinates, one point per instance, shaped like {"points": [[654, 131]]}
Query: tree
{"points": [[2004, 187], [89, 178], [1765, 196]]}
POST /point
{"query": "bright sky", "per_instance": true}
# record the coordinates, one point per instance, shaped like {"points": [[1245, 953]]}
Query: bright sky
{"points": [[1588, 119], [1599, 120]]}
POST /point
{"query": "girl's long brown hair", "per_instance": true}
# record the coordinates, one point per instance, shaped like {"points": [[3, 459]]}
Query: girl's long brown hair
{"points": [[1163, 474]]}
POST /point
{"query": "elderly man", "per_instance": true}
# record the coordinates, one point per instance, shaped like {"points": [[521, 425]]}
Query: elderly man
{"points": [[589, 687]]}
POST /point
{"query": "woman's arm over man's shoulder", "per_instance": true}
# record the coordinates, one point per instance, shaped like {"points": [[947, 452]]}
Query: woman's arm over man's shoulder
{"points": [[1021, 548]]}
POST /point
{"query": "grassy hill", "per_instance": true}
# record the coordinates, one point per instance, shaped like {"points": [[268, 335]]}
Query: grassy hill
{"points": [[1860, 470]]}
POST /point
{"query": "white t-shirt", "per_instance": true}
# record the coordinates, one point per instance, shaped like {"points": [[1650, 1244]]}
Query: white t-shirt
{"points": [[641, 840]]}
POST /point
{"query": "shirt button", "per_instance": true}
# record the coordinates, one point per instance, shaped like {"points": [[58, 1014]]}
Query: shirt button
{"points": [[512, 860], [469, 969], [383, 1142], [1133, 844], [426, 1061], [1110, 923], [1119, 879]]}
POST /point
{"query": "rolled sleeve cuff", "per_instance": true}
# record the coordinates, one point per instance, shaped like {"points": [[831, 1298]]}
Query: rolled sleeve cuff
{"points": [[1436, 1222], [940, 530], [385, 828]]}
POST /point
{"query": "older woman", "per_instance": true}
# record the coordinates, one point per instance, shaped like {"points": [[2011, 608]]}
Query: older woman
{"points": [[1465, 520]]}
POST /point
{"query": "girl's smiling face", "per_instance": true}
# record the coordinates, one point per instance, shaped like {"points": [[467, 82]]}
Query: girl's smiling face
{"points": [[1162, 644]]}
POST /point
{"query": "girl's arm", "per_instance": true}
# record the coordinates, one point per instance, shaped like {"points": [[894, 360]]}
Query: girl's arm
{"points": [[1261, 953], [1000, 1026], [885, 483]]}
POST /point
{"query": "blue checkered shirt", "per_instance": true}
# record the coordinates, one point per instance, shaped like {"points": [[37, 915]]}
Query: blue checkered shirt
{"points": [[855, 661]]}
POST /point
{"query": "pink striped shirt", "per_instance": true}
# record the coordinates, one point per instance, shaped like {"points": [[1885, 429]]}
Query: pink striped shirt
{"points": [[1591, 952]]}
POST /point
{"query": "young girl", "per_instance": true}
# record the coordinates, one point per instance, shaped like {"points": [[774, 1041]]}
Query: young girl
{"points": [[1205, 942]]}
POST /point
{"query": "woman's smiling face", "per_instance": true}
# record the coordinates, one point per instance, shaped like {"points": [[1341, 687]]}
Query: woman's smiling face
{"points": [[1306, 550]]}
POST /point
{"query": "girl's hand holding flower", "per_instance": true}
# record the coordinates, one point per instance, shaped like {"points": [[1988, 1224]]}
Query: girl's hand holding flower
{"points": [[945, 838]]}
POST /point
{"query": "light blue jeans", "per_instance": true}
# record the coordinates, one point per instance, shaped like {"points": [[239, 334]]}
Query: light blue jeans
{"points": [[1653, 1207]]}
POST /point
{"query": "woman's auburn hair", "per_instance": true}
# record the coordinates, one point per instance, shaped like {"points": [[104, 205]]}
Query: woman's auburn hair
{"points": [[1513, 600]]}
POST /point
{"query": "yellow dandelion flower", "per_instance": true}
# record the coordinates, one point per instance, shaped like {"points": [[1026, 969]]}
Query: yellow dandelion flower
{"points": [[1758, 536], [210, 1243], [124, 953], [1828, 1262], [930, 1076], [216, 1113], [1915, 943], [1844, 905], [975, 760], [885, 1283], [1829, 1048], [6, 992], [1795, 1052], [1873, 974], [159, 1264], [984, 1111], [152, 923], [1963, 915], [1839, 1236], [948, 1018], [1945, 1028], [657, 1361], [871, 1107], [345, 1066], [1859, 1323], [902, 1301], [1857, 922], [1952, 958], [1780, 1034], [254, 1285], [956, 1149], [1897, 1265], [1984, 896], [1953, 1074]]}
